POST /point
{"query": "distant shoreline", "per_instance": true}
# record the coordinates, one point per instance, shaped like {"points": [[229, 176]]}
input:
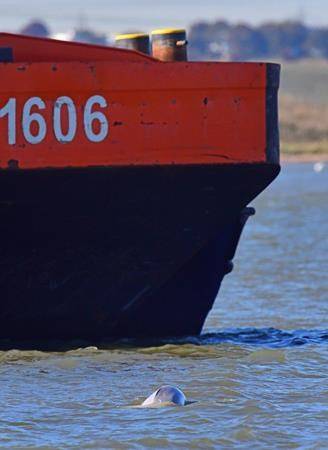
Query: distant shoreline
{"points": [[306, 157]]}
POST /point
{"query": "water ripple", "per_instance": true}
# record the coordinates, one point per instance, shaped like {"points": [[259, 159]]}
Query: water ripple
{"points": [[267, 337]]}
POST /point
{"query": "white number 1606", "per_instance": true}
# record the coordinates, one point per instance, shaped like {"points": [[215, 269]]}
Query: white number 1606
{"points": [[89, 118]]}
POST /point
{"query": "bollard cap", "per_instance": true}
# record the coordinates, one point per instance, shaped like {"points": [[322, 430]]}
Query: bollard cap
{"points": [[162, 31], [125, 36]]}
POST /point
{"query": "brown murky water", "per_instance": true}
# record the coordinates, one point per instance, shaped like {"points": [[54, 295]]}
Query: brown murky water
{"points": [[258, 375]]}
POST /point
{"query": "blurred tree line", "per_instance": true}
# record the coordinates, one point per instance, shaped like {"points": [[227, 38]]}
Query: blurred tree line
{"points": [[284, 40]]}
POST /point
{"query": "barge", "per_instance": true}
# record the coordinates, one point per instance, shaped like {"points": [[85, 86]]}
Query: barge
{"points": [[124, 185]]}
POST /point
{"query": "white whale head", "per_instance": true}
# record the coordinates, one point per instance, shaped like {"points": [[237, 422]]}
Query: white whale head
{"points": [[166, 395]]}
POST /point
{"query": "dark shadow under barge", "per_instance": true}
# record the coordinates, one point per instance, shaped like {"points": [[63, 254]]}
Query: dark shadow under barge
{"points": [[119, 252]]}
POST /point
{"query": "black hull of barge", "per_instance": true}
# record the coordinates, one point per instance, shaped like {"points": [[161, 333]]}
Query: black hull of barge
{"points": [[119, 252]]}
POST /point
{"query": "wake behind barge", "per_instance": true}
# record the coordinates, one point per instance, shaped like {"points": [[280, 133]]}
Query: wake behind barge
{"points": [[124, 185]]}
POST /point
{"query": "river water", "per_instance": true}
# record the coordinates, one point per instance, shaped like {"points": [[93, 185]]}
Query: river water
{"points": [[257, 376]]}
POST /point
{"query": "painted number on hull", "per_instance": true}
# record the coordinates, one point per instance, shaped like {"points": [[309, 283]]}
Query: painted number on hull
{"points": [[34, 126]]}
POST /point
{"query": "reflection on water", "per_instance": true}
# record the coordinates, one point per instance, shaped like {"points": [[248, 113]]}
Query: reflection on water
{"points": [[261, 384]]}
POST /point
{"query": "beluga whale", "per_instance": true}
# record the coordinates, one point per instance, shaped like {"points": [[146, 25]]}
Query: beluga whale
{"points": [[165, 396]]}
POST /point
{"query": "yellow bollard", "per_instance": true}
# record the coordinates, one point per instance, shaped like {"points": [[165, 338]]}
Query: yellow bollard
{"points": [[134, 41], [169, 44]]}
